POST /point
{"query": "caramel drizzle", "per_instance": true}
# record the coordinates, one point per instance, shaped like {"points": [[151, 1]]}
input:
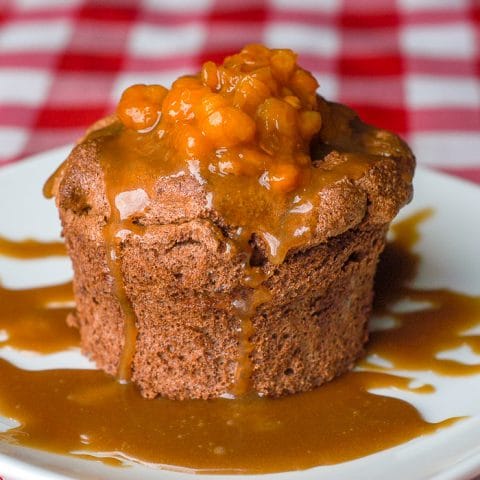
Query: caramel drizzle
{"points": [[441, 322], [114, 263], [34, 319], [245, 308], [28, 248], [120, 164], [112, 243], [49, 186]]}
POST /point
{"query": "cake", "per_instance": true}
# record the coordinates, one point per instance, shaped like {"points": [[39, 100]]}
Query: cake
{"points": [[224, 233]]}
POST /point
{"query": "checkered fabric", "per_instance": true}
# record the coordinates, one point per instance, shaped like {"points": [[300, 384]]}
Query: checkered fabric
{"points": [[412, 66]]}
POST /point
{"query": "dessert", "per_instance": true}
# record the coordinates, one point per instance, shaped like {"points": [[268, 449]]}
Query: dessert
{"points": [[224, 234]]}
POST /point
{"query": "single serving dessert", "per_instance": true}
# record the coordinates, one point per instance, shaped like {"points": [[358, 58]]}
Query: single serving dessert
{"points": [[225, 232]]}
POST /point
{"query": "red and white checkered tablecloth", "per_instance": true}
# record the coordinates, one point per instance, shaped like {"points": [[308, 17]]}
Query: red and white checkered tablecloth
{"points": [[412, 66]]}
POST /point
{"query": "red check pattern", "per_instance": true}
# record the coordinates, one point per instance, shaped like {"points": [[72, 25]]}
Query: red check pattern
{"points": [[412, 66]]}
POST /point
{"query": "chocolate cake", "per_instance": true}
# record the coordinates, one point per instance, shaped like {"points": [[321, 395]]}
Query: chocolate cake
{"points": [[225, 233]]}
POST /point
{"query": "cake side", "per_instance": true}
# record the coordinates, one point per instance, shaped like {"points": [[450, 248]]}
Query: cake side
{"points": [[316, 327]]}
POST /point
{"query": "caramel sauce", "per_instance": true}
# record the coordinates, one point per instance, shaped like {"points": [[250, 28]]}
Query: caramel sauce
{"points": [[34, 319], [49, 186], [130, 328], [245, 311], [88, 413], [440, 322], [28, 248], [128, 172]]}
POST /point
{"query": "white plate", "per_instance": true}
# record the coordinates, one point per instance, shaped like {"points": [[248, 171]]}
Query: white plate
{"points": [[450, 258]]}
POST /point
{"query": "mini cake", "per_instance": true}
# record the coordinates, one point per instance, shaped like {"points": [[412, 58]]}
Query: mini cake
{"points": [[225, 233]]}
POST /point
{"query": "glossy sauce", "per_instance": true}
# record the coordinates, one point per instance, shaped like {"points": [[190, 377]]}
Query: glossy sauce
{"points": [[439, 321], [90, 413], [34, 319], [112, 242], [28, 249]]}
